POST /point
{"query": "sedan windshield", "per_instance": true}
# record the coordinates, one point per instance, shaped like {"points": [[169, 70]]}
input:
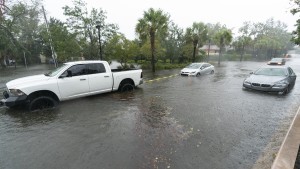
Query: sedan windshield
{"points": [[276, 59], [55, 71], [194, 66], [271, 72]]}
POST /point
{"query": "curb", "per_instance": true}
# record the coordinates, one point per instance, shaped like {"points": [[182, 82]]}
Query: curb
{"points": [[286, 156], [160, 78]]}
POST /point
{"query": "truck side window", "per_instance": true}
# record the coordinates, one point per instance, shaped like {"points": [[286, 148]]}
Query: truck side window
{"points": [[96, 68], [78, 70]]}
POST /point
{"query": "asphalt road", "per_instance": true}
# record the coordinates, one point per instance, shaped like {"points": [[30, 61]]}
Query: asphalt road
{"points": [[206, 122]]}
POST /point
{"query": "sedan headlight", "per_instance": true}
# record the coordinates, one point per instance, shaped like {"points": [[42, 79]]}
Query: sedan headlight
{"points": [[192, 72], [247, 81], [16, 92], [281, 83]]}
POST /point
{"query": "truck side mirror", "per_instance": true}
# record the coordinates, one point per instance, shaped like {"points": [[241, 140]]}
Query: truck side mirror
{"points": [[69, 73]]}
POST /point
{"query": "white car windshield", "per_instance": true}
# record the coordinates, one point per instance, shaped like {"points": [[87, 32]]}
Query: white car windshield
{"points": [[55, 71], [271, 72], [276, 59], [193, 66]]}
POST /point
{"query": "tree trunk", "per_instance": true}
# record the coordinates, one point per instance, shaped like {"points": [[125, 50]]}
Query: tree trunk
{"points": [[208, 50], [152, 39], [220, 54], [242, 53], [194, 51]]}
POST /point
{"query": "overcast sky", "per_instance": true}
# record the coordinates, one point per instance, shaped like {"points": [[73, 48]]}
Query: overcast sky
{"points": [[232, 13]]}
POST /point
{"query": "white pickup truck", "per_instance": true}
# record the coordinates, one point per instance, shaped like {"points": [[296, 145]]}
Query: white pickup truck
{"points": [[69, 81]]}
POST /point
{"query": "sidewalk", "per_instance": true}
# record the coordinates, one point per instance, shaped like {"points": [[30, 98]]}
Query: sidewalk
{"points": [[288, 151]]}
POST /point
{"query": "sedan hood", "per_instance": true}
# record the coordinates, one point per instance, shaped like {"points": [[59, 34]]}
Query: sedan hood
{"points": [[25, 80], [189, 70], [262, 79]]}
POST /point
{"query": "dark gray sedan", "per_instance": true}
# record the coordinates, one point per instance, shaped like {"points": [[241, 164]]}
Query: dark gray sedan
{"points": [[271, 79]]}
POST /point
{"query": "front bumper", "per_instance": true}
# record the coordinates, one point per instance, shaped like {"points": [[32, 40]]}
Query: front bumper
{"points": [[187, 74], [12, 101], [264, 87]]}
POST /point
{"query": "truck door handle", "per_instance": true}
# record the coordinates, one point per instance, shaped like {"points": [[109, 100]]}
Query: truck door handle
{"points": [[82, 79], [106, 76]]}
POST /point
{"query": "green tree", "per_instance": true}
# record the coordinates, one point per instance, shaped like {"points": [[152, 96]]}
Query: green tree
{"points": [[121, 49], [153, 23], [64, 42], [270, 39], [241, 44], [222, 38], [19, 28], [197, 34], [83, 23], [174, 42], [244, 40], [296, 33], [187, 52], [212, 29], [146, 50]]}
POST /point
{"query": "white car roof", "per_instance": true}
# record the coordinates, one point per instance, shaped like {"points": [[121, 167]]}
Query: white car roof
{"points": [[85, 62]]}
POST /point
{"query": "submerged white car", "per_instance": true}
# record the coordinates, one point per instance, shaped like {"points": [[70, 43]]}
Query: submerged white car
{"points": [[197, 69]]}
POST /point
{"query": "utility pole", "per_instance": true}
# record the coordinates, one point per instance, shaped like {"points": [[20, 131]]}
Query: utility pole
{"points": [[98, 26], [54, 57]]}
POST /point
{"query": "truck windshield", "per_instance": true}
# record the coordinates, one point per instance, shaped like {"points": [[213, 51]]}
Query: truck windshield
{"points": [[55, 71]]}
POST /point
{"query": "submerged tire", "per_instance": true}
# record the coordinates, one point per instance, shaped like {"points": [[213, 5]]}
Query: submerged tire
{"points": [[198, 74], [212, 72], [126, 87], [286, 91], [42, 102]]}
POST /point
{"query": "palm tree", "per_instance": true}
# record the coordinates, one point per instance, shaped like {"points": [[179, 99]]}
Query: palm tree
{"points": [[154, 23], [222, 38], [197, 34]]}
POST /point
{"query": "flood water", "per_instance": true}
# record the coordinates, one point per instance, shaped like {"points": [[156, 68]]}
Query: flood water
{"points": [[177, 122]]}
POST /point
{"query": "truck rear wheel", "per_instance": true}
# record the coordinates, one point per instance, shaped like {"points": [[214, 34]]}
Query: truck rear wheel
{"points": [[126, 86], [42, 102]]}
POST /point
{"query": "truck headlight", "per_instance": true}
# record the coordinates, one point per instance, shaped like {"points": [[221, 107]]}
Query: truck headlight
{"points": [[16, 92]]}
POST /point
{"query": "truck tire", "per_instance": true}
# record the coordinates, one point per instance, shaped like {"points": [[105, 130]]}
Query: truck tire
{"points": [[126, 87], [42, 102]]}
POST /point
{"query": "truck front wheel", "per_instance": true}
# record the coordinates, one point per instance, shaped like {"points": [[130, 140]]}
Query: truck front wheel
{"points": [[42, 102]]}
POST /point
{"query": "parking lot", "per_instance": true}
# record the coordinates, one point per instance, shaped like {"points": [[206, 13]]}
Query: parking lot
{"points": [[176, 122]]}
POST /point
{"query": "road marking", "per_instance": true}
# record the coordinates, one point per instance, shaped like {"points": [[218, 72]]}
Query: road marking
{"points": [[160, 78]]}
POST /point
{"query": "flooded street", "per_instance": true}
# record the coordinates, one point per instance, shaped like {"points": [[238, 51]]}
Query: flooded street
{"points": [[206, 122]]}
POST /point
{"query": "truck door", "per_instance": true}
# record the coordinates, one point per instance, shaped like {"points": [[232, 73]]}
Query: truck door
{"points": [[74, 82], [100, 79]]}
